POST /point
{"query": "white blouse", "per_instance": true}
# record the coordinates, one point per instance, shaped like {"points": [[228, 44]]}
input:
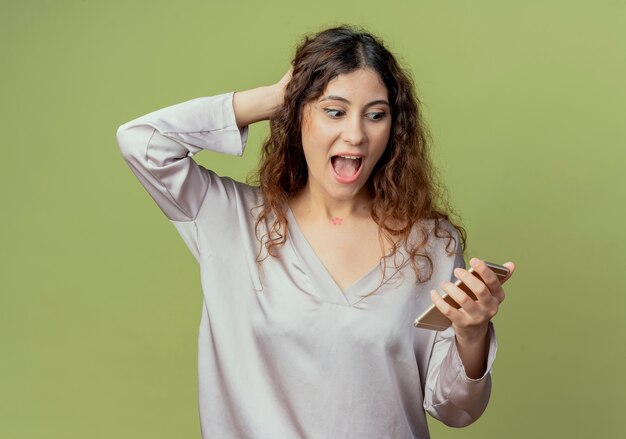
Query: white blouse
{"points": [[283, 352]]}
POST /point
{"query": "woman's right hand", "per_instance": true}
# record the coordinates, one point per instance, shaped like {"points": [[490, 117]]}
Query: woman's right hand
{"points": [[260, 103], [282, 84]]}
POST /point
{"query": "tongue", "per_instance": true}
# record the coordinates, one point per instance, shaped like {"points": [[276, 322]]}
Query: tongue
{"points": [[345, 167]]}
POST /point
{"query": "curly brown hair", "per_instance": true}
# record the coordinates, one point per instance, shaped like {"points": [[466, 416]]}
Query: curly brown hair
{"points": [[404, 185]]}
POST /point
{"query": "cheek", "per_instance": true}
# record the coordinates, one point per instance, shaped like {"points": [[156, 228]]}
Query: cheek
{"points": [[314, 131], [381, 140], [317, 139], [386, 133], [309, 133], [310, 147]]}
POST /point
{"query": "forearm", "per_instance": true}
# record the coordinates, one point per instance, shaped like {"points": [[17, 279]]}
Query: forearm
{"points": [[451, 394], [256, 104], [473, 353]]}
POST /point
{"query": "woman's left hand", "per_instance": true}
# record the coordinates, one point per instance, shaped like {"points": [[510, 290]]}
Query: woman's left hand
{"points": [[471, 321]]}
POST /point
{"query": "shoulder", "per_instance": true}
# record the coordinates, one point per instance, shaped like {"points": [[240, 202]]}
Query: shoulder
{"points": [[226, 196], [247, 190], [233, 187], [438, 244], [436, 232]]}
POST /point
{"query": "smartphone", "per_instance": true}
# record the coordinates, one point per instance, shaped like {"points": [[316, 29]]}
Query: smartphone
{"points": [[432, 317]]}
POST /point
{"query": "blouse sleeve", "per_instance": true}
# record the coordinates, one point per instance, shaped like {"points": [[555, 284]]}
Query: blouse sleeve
{"points": [[450, 395], [159, 146]]}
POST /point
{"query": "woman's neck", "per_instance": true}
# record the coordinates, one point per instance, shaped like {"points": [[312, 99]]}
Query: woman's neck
{"points": [[318, 205]]}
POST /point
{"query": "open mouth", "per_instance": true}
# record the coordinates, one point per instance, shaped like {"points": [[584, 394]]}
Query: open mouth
{"points": [[346, 167]]}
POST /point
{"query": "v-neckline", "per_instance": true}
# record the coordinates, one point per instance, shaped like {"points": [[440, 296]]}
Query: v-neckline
{"points": [[320, 277]]}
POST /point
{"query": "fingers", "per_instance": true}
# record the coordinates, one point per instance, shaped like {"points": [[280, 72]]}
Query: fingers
{"points": [[487, 290], [511, 267], [444, 308], [471, 313], [461, 297], [485, 273], [286, 77], [475, 285], [489, 278], [281, 85]]}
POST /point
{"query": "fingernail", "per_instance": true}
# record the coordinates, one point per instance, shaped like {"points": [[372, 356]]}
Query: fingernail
{"points": [[474, 262], [457, 271]]}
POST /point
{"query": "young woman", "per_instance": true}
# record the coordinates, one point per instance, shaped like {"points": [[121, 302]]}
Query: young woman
{"points": [[312, 279]]}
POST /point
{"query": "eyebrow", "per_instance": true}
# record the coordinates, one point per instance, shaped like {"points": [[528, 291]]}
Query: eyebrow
{"points": [[339, 98]]}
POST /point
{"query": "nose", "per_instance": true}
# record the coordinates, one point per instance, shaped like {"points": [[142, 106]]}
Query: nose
{"points": [[353, 131]]}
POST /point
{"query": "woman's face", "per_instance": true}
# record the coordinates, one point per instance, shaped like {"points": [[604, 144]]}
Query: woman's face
{"points": [[344, 133]]}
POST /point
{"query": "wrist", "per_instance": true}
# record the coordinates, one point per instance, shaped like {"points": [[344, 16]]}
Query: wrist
{"points": [[471, 337], [256, 104], [276, 94], [472, 347]]}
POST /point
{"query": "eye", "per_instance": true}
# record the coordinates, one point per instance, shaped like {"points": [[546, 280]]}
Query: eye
{"points": [[334, 114], [376, 116]]}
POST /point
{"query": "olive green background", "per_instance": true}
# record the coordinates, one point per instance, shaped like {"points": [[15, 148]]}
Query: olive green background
{"points": [[100, 299]]}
